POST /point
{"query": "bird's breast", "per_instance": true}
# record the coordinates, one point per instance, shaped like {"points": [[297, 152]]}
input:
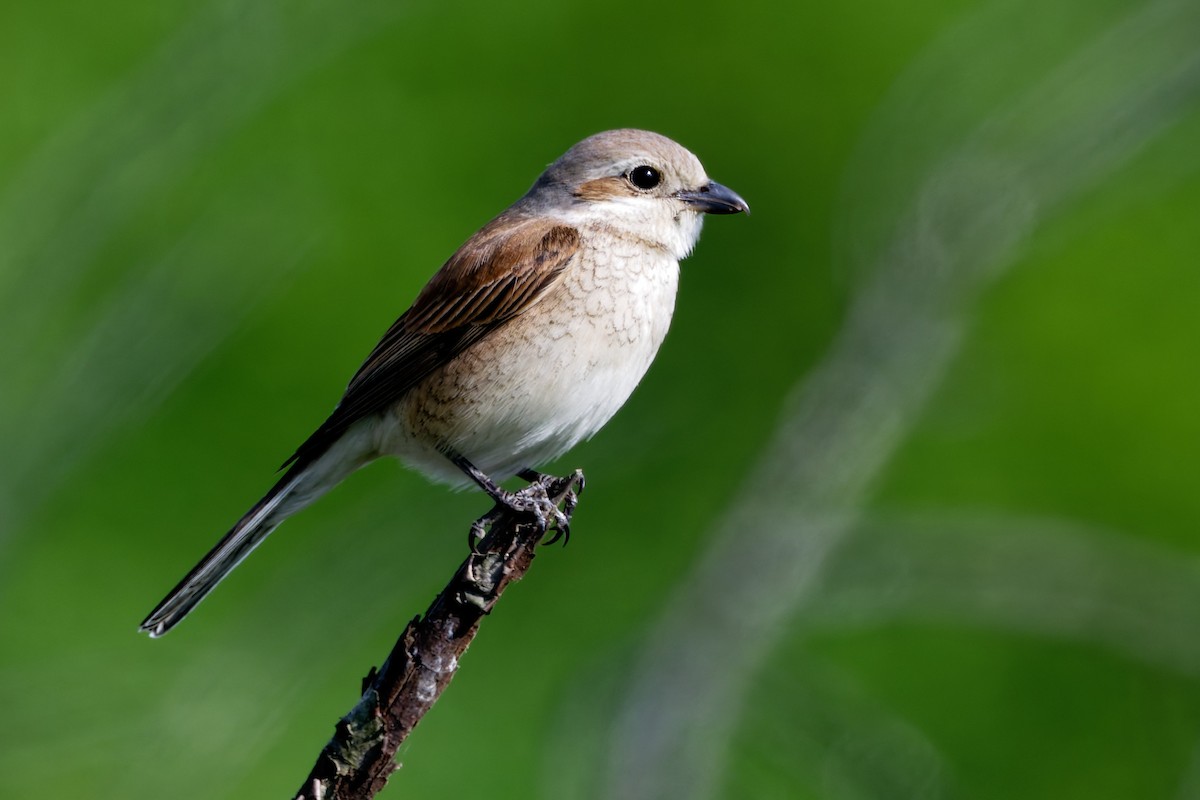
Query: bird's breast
{"points": [[617, 299]]}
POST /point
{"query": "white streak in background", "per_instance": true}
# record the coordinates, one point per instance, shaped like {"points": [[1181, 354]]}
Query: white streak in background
{"points": [[1030, 576], [68, 382], [969, 211], [830, 737], [1189, 786], [1046, 577], [810, 729]]}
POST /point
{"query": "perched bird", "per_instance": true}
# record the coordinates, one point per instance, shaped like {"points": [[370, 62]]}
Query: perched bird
{"points": [[524, 343]]}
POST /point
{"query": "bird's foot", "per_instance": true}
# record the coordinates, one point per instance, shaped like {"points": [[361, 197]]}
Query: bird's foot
{"points": [[564, 495], [548, 500]]}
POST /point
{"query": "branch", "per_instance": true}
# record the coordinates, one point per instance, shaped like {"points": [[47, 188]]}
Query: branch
{"points": [[357, 761]]}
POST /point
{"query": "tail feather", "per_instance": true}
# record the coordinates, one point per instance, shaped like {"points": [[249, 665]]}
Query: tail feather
{"points": [[246, 535], [303, 483]]}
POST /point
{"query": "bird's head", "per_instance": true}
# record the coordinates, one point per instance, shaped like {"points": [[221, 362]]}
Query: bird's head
{"points": [[639, 182]]}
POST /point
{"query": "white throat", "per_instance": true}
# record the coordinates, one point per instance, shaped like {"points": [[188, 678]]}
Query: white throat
{"points": [[651, 222]]}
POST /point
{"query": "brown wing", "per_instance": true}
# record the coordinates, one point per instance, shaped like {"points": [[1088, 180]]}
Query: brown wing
{"points": [[496, 275]]}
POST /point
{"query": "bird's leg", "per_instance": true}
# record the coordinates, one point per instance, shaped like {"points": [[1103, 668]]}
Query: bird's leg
{"points": [[534, 500]]}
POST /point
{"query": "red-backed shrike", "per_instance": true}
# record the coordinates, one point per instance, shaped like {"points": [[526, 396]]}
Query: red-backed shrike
{"points": [[525, 342]]}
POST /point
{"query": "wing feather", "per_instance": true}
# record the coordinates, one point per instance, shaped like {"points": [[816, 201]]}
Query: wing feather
{"points": [[495, 276]]}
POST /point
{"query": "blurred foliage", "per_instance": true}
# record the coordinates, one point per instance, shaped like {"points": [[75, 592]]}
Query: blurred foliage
{"points": [[209, 212]]}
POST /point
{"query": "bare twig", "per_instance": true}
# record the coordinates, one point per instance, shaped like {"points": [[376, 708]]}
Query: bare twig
{"points": [[357, 761]]}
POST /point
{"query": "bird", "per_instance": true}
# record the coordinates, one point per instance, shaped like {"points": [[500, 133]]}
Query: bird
{"points": [[526, 341]]}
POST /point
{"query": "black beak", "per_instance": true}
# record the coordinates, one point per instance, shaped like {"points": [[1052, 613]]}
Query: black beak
{"points": [[713, 198]]}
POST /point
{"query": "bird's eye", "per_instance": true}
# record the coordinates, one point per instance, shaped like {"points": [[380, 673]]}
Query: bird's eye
{"points": [[645, 177]]}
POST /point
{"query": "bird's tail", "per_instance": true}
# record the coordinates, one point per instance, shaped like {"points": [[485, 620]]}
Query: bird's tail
{"points": [[300, 486]]}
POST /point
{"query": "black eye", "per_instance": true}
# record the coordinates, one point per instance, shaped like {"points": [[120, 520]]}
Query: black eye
{"points": [[645, 177]]}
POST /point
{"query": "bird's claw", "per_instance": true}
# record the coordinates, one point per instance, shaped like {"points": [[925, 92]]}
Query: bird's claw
{"points": [[566, 491], [479, 529], [540, 500]]}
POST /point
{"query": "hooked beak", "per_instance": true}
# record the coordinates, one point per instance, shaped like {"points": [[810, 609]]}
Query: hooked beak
{"points": [[713, 198]]}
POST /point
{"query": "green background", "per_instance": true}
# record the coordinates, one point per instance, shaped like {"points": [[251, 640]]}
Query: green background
{"points": [[979, 223]]}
